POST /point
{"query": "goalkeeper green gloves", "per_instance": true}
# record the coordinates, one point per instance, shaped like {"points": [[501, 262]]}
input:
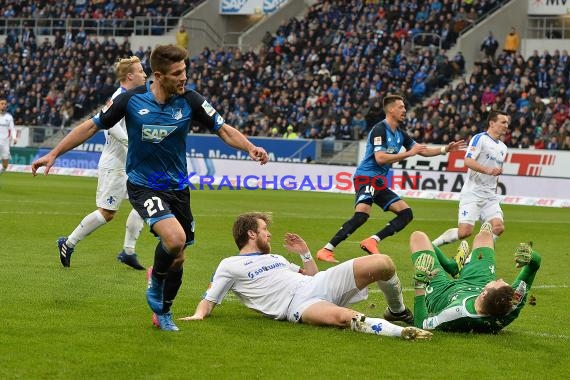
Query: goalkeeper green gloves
{"points": [[523, 254], [424, 270]]}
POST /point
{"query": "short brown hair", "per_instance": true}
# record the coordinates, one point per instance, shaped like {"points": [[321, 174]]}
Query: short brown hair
{"points": [[389, 99], [498, 301], [494, 115], [248, 222], [163, 56], [124, 66]]}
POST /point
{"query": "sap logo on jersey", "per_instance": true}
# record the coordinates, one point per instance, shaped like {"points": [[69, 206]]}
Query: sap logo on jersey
{"points": [[156, 133]]}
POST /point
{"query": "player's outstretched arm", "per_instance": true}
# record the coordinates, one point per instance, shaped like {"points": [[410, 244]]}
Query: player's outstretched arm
{"points": [[452, 146], [78, 135], [203, 310], [236, 139]]}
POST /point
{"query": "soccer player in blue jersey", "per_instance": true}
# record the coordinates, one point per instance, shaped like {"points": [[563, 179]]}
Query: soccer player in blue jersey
{"points": [[383, 148], [158, 116], [476, 301], [479, 200]]}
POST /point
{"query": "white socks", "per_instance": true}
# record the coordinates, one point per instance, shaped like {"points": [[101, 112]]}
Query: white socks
{"points": [[89, 224], [447, 237], [134, 227], [377, 326], [392, 290]]}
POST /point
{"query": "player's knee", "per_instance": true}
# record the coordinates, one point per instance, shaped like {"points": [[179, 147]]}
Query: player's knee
{"points": [[498, 228], [108, 215], [385, 266], [418, 237]]}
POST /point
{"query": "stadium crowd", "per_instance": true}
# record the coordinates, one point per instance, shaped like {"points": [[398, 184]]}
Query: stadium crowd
{"points": [[322, 76], [94, 9]]}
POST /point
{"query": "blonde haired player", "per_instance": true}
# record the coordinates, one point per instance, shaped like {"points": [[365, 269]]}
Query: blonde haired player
{"points": [[7, 134], [479, 201], [112, 182]]}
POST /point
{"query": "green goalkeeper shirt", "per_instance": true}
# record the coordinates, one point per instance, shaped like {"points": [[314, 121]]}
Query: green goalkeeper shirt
{"points": [[450, 305]]}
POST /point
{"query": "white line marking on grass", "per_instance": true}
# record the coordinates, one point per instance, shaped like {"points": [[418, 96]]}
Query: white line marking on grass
{"points": [[544, 335]]}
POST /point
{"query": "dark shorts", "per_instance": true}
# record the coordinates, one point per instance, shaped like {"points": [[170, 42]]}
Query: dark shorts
{"points": [[155, 205], [374, 190]]}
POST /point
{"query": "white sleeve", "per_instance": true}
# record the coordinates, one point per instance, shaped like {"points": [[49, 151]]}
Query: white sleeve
{"points": [[12, 129], [222, 282], [474, 148], [119, 134]]}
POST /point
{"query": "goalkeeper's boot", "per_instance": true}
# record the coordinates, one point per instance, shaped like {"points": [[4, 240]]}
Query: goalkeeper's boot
{"points": [[405, 316], [327, 255], [462, 256], [165, 322], [130, 260], [154, 292], [65, 252], [413, 333], [370, 245], [487, 227]]}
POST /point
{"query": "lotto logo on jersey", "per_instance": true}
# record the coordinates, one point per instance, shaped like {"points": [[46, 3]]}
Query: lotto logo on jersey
{"points": [[156, 133]]}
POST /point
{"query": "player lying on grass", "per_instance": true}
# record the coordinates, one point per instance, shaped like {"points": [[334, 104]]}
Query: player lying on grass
{"points": [[475, 301], [270, 284]]}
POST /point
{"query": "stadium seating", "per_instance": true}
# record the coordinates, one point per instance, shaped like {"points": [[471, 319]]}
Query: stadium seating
{"points": [[535, 92], [323, 75]]}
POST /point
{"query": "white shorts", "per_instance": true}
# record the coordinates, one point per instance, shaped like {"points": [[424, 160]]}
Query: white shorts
{"points": [[111, 188], [471, 210], [335, 285], [5, 149]]}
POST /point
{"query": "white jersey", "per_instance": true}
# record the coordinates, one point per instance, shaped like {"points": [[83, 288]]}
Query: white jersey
{"points": [[487, 152], [114, 154], [7, 130], [265, 283]]}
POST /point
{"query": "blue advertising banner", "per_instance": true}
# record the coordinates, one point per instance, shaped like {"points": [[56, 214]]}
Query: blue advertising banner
{"points": [[280, 150], [87, 154]]}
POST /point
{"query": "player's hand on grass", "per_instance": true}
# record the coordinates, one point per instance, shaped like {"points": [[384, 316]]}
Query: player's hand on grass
{"points": [[192, 318], [295, 243], [523, 254], [424, 270]]}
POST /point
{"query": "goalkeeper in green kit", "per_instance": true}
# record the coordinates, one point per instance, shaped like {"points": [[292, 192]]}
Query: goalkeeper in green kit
{"points": [[475, 300]]}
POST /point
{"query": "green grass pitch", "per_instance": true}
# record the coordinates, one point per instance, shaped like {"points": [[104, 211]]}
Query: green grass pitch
{"points": [[92, 321]]}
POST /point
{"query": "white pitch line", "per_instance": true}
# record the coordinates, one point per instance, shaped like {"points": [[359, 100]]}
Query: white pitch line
{"points": [[544, 335]]}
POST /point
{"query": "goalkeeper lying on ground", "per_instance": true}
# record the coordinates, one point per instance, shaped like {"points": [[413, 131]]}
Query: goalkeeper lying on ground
{"points": [[475, 300]]}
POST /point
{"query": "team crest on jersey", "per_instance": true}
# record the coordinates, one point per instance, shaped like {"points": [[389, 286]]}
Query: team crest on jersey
{"points": [[177, 113], [107, 105], [208, 108], [378, 140]]}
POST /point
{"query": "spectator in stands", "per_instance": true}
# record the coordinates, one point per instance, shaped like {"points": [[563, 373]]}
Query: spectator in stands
{"points": [[490, 46], [182, 38], [512, 41]]}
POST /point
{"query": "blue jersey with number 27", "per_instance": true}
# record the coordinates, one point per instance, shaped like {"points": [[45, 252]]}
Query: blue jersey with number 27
{"points": [[156, 156]]}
